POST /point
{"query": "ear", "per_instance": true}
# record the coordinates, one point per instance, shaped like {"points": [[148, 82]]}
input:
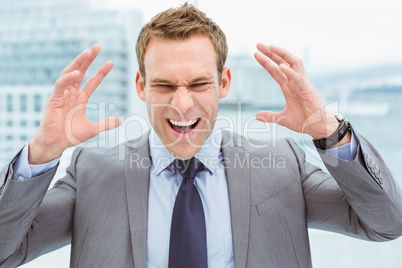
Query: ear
{"points": [[225, 83], [140, 84]]}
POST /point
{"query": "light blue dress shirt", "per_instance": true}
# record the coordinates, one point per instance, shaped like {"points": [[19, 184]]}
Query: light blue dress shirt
{"points": [[211, 184], [164, 185], [22, 170]]}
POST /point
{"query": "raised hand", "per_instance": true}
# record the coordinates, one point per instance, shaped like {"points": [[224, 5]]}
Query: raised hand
{"points": [[304, 111], [64, 123]]}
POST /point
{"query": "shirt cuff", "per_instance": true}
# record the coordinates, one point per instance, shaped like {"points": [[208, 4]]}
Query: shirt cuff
{"points": [[23, 170], [345, 152]]}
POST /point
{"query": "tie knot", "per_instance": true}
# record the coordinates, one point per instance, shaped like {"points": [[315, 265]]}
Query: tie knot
{"points": [[188, 168]]}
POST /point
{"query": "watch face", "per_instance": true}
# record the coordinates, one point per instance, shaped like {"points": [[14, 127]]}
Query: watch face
{"points": [[340, 117]]}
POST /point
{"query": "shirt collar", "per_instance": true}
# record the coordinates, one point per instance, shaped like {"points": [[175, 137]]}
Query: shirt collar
{"points": [[208, 154]]}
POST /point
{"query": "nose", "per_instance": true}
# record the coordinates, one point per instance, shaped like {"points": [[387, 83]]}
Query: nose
{"points": [[182, 99]]}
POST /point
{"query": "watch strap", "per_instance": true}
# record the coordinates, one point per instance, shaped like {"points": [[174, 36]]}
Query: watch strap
{"points": [[341, 131]]}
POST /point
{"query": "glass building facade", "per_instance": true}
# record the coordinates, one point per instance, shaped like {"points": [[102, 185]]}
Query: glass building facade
{"points": [[38, 38]]}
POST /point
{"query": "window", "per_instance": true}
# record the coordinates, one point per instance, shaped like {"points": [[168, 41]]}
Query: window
{"points": [[9, 103], [23, 103], [37, 103]]}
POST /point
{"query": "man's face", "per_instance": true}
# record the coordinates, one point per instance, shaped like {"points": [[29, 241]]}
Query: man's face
{"points": [[182, 92]]}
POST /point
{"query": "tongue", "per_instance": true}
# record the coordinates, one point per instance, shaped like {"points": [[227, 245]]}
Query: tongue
{"points": [[182, 129]]}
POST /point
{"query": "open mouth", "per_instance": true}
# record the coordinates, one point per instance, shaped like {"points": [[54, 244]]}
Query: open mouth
{"points": [[183, 126]]}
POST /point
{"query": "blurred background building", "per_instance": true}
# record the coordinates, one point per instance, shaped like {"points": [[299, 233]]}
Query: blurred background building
{"points": [[38, 38]]}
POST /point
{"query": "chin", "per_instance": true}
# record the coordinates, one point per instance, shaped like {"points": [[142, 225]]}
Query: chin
{"points": [[183, 152]]}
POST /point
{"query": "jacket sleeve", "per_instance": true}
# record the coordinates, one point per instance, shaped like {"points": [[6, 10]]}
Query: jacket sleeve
{"points": [[359, 198], [33, 220]]}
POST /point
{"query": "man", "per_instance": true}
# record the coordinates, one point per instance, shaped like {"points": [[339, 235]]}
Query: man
{"points": [[121, 212]]}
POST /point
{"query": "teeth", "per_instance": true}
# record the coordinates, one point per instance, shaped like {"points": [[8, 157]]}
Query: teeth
{"points": [[183, 123]]}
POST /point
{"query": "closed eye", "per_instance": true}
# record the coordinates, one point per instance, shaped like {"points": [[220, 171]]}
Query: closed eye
{"points": [[200, 86], [164, 87]]}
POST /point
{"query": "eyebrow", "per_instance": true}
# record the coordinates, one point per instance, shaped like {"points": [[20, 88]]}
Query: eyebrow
{"points": [[201, 78], [160, 80], [195, 80]]}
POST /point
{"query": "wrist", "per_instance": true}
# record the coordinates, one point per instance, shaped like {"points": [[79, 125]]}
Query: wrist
{"points": [[346, 140], [340, 136], [41, 153], [328, 127]]}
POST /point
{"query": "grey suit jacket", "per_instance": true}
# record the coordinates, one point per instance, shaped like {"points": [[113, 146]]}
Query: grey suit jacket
{"points": [[101, 205]]}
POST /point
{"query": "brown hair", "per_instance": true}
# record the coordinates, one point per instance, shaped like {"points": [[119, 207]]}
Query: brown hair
{"points": [[180, 24]]}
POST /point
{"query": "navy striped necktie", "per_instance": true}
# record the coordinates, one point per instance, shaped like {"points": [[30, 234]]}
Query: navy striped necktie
{"points": [[188, 242]]}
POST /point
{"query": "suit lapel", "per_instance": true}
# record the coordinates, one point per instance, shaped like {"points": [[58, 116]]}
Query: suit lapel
{"points": [[137, 164], [238, 179]]}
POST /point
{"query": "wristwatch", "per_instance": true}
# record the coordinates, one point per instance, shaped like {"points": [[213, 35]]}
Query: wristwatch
{"points": [[343, 128]]}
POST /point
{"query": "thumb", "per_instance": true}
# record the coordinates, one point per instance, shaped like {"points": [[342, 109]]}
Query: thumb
{"points": [[108, 124], [269, 117]]}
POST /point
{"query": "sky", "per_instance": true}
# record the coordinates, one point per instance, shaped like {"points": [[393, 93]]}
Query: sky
{"points": [[327, 35]]}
